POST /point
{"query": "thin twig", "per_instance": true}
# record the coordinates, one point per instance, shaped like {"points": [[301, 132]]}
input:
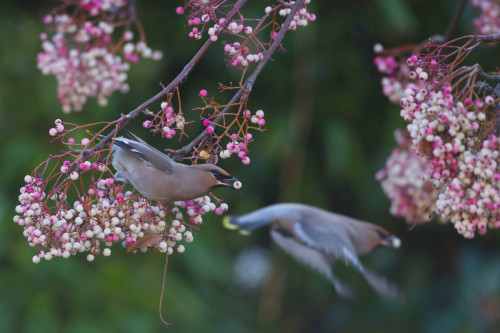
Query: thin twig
{"points": [[163, 290], [454, 22]]}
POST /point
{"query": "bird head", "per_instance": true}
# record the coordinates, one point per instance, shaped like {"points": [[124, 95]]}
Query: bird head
{"points": [[218, 177]]}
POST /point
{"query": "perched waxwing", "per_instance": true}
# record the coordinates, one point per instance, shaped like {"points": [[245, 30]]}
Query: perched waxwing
{"points": [[316, 238], [158, 177]]}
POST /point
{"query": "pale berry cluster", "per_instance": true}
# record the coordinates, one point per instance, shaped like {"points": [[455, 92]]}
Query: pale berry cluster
{"points": [[471, 201], [300, 19], [166, 121], [396, 70], [203, 17], [103, 216], [240, 148], [488, 21], [238, 141], [450, 132], [240, 55], [403, 181], [94, 7], [80, 51], [441, 128]]}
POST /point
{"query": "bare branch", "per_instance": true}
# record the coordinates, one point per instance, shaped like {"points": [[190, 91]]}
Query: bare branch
{"points": [[454, 22]]}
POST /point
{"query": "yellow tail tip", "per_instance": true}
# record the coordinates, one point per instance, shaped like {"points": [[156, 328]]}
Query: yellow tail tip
{"points": [[89, 132], [227, 224]]}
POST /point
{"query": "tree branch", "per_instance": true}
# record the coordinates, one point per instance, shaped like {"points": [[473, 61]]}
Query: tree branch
{"points": [[454, 22], [243, 93], [489, 77], [487, 38]]}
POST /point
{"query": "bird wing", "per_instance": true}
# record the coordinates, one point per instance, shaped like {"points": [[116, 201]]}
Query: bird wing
{"points": [[119, 177], [147, 153], [338, 245], [313, 259], [327, 241]]}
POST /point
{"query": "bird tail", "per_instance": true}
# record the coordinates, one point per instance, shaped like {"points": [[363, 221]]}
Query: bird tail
{"points": [[228, 223], [99, 136], [382, 286]]}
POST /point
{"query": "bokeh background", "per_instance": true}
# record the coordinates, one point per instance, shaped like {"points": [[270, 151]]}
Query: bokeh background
{"points": [[329, 129]]}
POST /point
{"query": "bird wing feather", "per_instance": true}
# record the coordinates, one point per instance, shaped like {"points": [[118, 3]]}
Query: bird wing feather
{"points": [[313, 259], [325, 240], [340, 246], [147, 153]]}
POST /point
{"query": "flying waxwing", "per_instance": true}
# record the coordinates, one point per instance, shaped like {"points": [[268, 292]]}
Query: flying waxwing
{"points": [[316, 238], [158, 177]]}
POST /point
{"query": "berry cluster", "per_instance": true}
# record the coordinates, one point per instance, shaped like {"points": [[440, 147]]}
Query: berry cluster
{"points": [[488, 21], [81, 52], [166, 121], [205, 17], [453, 123], [471, 201], [103, 215], [454, 129], [397, 74], [238, 141], [403, 181]]}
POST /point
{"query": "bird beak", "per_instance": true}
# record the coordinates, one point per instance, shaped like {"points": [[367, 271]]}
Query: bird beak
{"points": [[227, 181]]}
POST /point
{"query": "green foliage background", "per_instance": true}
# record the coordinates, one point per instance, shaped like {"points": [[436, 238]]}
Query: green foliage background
{"points": [[329, 130]]}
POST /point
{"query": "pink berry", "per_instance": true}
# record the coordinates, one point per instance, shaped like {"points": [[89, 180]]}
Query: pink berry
{"points": [[209, 130], [206, 122], [203, 93], [179, 10], [261, 122]]}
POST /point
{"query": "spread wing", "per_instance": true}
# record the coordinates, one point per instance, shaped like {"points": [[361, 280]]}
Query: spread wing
{"points": [[328, 241], [313, 259], [337, 244], [147, 153]]}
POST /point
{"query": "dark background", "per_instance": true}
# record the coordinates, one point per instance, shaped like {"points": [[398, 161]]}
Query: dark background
{"points": [[329, 129]]}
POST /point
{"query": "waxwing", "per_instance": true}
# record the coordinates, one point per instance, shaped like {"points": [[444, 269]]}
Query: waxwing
{"points": [[316, 238], [158, 177]]}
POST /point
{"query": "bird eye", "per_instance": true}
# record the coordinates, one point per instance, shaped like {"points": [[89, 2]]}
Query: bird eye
{"points": [[217, 175]]}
